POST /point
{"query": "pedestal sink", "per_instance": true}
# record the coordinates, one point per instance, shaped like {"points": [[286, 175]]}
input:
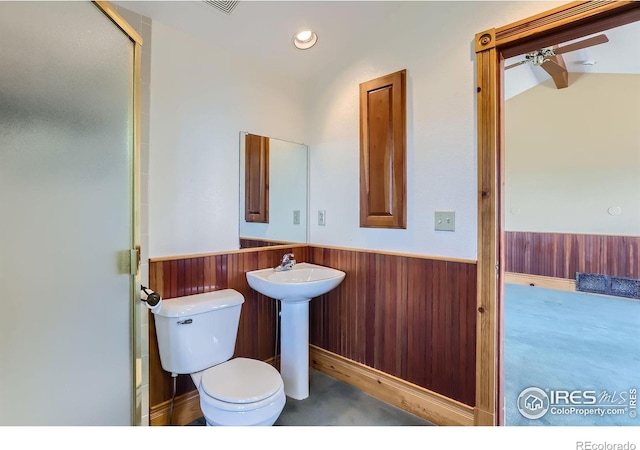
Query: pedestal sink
{"points": [[295, 288]]}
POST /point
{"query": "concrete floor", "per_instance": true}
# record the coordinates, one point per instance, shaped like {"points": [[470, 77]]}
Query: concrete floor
{"points": [[334, 403]]}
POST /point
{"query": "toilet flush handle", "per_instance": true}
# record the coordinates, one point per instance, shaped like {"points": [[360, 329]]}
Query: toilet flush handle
{"points": [[185, 322]]}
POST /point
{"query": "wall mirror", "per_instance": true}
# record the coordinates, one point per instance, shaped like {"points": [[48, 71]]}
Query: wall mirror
{"points": [[273, 191]]}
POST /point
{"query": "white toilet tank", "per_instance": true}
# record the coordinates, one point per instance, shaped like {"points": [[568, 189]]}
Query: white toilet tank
{"points": [[198, 331]]}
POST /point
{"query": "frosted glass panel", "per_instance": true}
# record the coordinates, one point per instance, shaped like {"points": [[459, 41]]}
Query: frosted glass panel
{"points": [[66, 203]]}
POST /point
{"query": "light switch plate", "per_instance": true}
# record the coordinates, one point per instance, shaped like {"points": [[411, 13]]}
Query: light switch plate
{"points": [[296, 217], [445, 221]]}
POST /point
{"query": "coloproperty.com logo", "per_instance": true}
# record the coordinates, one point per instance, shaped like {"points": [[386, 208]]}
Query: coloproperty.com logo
{"points": [[534, 402]]}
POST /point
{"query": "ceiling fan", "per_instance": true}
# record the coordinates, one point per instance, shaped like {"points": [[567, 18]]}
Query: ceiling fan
{"points": [[548, 58]]}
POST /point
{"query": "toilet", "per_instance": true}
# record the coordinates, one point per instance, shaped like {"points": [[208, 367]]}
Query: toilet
{"points": [[197, 336]]}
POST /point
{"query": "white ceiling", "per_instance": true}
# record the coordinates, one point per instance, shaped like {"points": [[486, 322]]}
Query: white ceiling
{"points": [[264, 30]]}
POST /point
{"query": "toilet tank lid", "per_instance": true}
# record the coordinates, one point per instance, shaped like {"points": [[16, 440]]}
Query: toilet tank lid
{"points": [[200, 303]]}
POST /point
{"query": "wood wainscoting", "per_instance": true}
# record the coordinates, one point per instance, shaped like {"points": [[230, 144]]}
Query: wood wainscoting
{"points": [[424, 403], [411, 317], [186, 275], [559, 255], [247, 242], [186, 409], [410, 320]]}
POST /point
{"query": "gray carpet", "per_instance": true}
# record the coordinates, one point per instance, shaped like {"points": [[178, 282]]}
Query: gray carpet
{"points": [[576, 342], [332, 402]]}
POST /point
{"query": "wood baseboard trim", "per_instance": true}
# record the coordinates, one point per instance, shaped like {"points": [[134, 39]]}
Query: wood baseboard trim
{"points": [[424, 403], [560, 284], [186, 409], [484, 418]]}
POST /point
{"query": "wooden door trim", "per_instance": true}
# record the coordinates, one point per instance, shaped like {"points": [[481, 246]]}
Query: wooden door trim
{"points": [[566, 22]]}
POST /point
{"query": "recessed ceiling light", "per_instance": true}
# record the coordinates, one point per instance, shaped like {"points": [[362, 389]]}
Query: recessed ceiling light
{"points": [[305, 39]]}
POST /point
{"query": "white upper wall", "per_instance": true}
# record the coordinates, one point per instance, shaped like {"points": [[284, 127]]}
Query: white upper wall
{"points": [[433, 41], [572, 157], [201, 97]]}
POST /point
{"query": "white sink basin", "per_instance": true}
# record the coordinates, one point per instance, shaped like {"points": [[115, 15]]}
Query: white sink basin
{"points": [[301, 283], [295, 288]]}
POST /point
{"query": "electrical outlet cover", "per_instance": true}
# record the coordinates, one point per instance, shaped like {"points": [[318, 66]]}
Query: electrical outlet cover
{"points": [[322, 217]]}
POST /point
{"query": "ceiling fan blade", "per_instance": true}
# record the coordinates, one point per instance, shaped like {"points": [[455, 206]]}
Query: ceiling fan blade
{"points": [[515, 65], [596, 40], [553, 68]]}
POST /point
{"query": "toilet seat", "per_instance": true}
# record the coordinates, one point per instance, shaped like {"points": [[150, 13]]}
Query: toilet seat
{"points": [[240, 384]]}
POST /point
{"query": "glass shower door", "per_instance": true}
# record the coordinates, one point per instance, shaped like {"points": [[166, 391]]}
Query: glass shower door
{"points": [[66, 216]]}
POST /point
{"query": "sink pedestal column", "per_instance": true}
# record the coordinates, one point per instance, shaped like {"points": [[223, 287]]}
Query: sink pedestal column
{"points": [[294, 347]]}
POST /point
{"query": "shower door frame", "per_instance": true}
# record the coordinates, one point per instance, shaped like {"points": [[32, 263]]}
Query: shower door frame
{"points": [[135, 319]]}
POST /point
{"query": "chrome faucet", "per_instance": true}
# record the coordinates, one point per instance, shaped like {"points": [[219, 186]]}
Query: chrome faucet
{"points": [[287, 263]]}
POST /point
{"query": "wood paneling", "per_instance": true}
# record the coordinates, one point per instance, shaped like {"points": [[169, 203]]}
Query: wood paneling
{"points": [[186, 409], [383, 152], [559, 255], [408, 316], [173, 278], [256, 179], [255, 243], [412, 318]]}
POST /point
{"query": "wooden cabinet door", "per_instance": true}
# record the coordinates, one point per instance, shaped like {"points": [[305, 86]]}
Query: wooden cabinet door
{"points": [[256, 179], [383, 152]]}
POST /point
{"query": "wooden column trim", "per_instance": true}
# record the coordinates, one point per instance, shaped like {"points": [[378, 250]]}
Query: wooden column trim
{"points": [[561, 24], [485, 40], [488, 202]]}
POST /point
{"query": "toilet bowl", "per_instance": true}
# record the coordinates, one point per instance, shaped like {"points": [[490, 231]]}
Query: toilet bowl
{"points": [[240, 392], [197, 336]]}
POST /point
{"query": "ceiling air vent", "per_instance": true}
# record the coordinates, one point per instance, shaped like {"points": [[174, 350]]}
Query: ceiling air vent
{"points": [[226, 7]]}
